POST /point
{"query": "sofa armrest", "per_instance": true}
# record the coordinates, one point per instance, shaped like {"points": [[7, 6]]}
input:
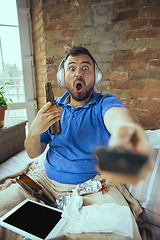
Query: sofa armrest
{"points": [[11, 140]]}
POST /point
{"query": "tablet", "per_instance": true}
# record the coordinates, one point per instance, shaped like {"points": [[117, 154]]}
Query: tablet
{"points": [[33, 220]]}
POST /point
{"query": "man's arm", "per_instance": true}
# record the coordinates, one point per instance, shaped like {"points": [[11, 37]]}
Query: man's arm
{"points": [[44, 119], [117, 117], [33, 145], [127, 133]]}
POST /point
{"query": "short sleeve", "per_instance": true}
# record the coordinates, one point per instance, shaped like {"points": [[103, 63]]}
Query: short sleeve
{"points": [[109, 101], [45, 137]]}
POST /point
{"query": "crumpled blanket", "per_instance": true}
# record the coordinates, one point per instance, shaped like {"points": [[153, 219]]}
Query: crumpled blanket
{"points": [[12, 194]]}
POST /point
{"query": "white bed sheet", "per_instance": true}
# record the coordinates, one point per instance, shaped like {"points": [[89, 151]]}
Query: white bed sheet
{"points": [[18, 163]]}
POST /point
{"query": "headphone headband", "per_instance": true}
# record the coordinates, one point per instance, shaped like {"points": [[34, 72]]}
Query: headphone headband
{"points": [[60, 73]]}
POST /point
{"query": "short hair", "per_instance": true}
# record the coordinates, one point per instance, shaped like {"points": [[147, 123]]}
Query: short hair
{"points": [[78, 50]]}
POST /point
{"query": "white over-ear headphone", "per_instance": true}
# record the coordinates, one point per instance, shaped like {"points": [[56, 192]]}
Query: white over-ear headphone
{"points": [[60, 73]]}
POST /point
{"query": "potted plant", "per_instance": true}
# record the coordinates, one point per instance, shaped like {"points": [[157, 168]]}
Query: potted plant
{"points": [[3, 103]]}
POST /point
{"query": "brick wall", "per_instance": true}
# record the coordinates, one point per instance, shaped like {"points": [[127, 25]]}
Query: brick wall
{"points": [[123, 36]]}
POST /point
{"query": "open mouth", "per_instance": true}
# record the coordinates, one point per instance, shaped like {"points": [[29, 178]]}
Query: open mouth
{"points": [[79, 86]]}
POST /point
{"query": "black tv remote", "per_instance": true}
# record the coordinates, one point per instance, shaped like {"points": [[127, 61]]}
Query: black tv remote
{"points": [[119, 160]]}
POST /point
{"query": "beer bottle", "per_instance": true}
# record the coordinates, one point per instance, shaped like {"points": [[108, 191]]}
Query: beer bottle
{"points": [[35, 189], [55, 129]]}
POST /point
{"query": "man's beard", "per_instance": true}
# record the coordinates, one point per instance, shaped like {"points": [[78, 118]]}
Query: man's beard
{"points": [[81, 96]]}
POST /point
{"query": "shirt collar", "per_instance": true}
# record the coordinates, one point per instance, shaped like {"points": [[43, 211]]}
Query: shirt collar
{"points": [[95, 97]]}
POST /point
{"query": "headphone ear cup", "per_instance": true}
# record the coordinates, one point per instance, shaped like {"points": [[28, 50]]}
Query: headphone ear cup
{"points": [[98, 74], [60, 76], [60, 73]]}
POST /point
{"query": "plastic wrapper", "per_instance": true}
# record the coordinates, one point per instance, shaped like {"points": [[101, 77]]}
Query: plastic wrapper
{"points": [[61, 202], [88, 187], [82, 189]]}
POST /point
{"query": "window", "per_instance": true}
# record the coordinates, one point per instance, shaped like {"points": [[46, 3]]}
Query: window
{"points": [[16, 64]]}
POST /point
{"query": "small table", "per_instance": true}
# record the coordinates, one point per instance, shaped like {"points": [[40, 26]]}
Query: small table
{"points": [[11, 140]]}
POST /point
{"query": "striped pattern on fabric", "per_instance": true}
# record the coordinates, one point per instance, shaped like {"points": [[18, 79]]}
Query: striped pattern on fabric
{"points": [[147, 192]]}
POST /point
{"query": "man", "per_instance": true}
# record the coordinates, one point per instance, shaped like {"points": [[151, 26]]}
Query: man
{"points": [[88, 119]]}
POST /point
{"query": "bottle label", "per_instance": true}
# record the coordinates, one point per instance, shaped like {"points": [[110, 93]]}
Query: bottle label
{"points": [[52, 106]]}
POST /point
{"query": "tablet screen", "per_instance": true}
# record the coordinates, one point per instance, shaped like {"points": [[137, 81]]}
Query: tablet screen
{"points": [[35, 219]]}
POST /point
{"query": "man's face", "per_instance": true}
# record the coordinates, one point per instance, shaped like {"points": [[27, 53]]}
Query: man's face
{"points": [[79, 76]]}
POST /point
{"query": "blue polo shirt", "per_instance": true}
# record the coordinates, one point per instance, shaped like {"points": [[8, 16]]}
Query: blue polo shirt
{"points": [[70, 156]]}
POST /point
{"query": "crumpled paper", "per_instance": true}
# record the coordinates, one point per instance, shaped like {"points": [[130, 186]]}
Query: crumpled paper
{"points": [[109, 217], [73, 206]]}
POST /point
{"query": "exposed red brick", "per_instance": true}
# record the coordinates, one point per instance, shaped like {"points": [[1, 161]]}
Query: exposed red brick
{"points": [[154, 22], [155, 63], [141, 3], [142, 113], [60, 7], [50, 60], [154, 74], [134, 103], [52, 77], [132, 14], [122, 6], [54, 17], [147, 55], [119, 56], [134, 65], [55, 85], [119, 93], [56, 26], [69, 32], [79, 3], [148, 104], [157, 124], [147, 93], [150, 12], [116, 75], [62, 43], [142, 55], [151, 33], [139, 75], [134, 34], [154, 2], [52, 1], [156, 114], [59, 92], [138, 24], [153, 84], [148, 123], [127, 84]]}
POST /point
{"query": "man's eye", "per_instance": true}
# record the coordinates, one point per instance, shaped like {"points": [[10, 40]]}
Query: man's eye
{"points": [[71, 69], [85, 68]]}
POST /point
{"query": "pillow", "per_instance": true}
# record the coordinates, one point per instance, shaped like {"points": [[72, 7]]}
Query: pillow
{"points": [[154, 137], [147, 192]]}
